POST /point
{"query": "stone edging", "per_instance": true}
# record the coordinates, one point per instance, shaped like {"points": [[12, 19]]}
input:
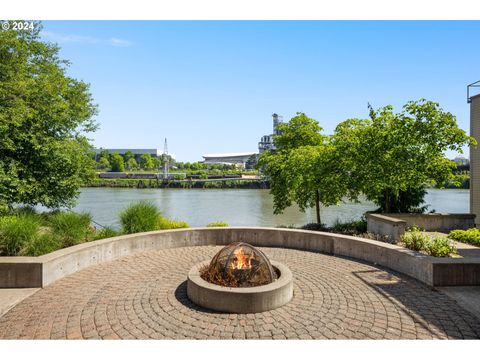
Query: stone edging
{"points": [[17, 272]]}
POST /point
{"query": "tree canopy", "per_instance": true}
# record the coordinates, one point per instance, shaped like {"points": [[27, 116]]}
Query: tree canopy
{"points": [[117, 162], [302, 169], [389, 158], [147, 162], [392, 156], [44, 118]]}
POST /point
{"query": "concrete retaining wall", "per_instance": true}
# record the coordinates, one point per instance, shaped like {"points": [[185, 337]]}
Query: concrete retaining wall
{"points": [[17, 272], [394, 225], [386, 226]]}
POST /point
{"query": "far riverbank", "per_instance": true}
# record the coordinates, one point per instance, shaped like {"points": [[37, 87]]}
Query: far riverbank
{"points": [[177, 184]]}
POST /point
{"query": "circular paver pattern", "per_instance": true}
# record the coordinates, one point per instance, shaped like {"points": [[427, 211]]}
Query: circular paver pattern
{"points": [[143, 296]]}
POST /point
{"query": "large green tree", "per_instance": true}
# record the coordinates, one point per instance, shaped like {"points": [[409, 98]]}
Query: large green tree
{"points": [[131, 164], [147, 162], [128, 155], [44, 118], [392, 156], [302, 170], [103, 163], [117, 162]]}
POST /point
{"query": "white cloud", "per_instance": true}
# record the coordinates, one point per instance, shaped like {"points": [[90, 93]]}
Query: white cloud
{"points": [[64, 38], [120, 42], [72, 38]]}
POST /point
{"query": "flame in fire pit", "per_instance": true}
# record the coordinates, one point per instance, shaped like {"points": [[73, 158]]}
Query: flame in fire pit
{"points": [[242, 261]]}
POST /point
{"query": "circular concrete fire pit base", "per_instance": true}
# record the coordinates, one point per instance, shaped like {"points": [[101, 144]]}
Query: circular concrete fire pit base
{"points": [[240, 300]]}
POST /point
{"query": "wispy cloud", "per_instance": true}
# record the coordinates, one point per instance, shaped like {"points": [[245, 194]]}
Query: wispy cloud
{"points": [[72, 38], [120, 42], [63, 38]]}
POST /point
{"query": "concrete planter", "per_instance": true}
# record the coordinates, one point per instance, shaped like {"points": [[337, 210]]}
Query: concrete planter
{"points": [[24, 272], [394, 225], [240, 300]]}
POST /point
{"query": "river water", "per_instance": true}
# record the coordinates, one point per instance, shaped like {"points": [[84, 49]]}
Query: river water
{"points": [[238, 207]]}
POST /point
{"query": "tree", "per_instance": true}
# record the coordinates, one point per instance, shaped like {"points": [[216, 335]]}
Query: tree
{"points": [[299, 131], [156, 162], [391, 156], [146, 162], [103, 163], [104, 153], [132, 164], [128, 155], [117, 162], [251, 163], [196, 166], [44, 117], [302, 169]]}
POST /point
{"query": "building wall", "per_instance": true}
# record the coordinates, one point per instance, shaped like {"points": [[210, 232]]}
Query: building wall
{"points": [[475, 159]]}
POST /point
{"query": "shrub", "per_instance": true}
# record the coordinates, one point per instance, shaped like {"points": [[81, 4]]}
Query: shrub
{"points": [[16, 232], [71, 228], [414, 239], [440, 247], [415, 228], [104, 233], [315, 227], [217, 224], [470, 236], [139, 217], [165, 224], [352, 227]]}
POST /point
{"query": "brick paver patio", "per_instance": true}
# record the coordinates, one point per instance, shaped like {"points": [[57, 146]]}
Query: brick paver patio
{"points": [[144, 296]]}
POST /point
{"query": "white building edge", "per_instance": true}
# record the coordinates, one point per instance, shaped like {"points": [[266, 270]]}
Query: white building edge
{"points": [[474, 101], [239, 159]]}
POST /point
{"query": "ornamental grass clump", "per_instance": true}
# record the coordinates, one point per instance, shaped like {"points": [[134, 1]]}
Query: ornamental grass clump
{"points": [[470, 236], [440, 247], [165, 224], [106, 232], [217, 224], [16, 232], [71, 228], [139, 217], [44, 243], [414, 239]]}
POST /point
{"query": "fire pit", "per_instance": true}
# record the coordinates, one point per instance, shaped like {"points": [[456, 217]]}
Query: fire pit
{"points": [[240, 279]]}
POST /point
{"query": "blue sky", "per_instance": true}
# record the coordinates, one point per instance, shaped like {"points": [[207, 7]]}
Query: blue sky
{"points": [[211, 86]]}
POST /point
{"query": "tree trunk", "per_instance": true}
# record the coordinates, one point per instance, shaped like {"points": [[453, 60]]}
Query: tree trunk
{"points": [[387, 201], [317, 205]]}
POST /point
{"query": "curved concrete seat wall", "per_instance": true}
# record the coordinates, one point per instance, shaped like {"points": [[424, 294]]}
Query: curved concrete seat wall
{"points": [[43, 270]]}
